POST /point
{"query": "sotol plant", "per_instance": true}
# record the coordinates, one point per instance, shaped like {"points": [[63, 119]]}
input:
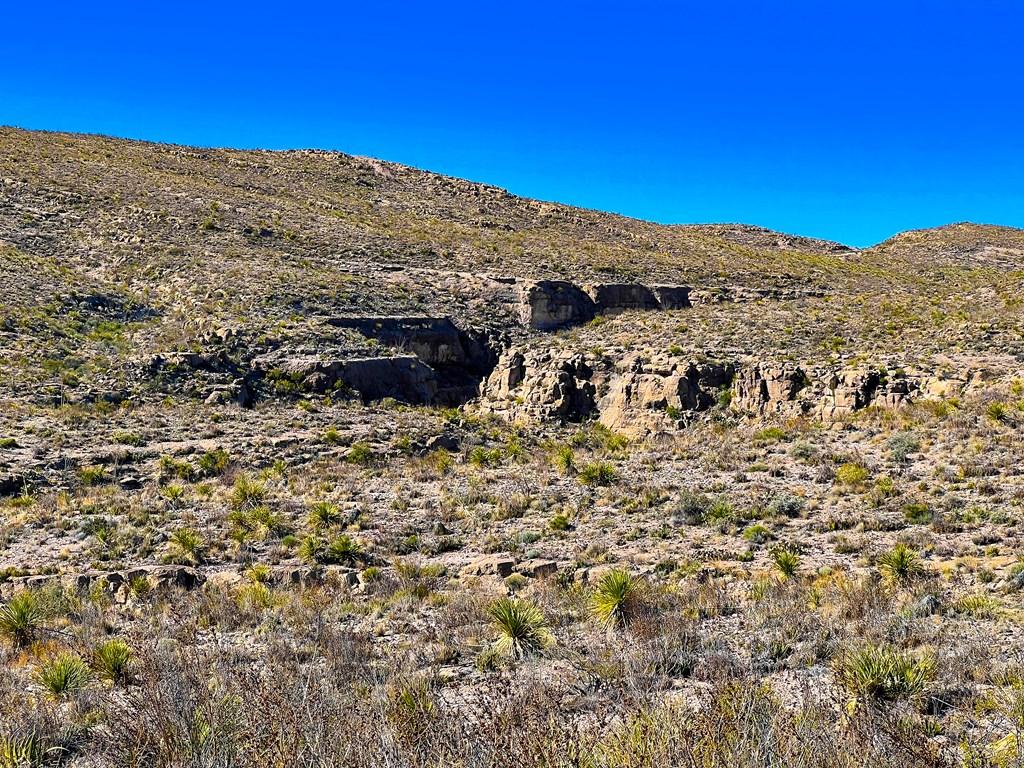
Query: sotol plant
{"points": [[64, 674], [522, 629], [901, 564], [619, 598], [883, 674], [21, 619], [112, 660]]}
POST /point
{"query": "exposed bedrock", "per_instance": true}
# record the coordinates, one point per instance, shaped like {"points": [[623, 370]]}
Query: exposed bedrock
{"points": [[552, 304], [403, 377], [458, 359], [650, 392]]}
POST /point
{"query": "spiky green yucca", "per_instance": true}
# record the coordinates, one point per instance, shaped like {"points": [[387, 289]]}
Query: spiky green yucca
{"points": [[112, 660], [27, 752], [248, 493], [881, 673], [188, 545], [65, 674], [522, 629], [786, 562], [618, 598], [900, 564], [324, 514], [20, 619]]}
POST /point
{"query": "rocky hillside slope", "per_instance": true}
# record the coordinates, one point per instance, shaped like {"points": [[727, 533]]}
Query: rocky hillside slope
{"points": [[132, 271], [315, 459]]}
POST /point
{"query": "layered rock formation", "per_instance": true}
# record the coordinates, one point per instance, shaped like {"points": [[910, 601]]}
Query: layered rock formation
{"points": [[647, 393]]}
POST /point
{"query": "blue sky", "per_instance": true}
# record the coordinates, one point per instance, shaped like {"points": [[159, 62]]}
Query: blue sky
{"points": [[844, 120]]}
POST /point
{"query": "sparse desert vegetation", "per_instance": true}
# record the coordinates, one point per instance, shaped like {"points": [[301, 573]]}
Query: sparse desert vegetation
{"points": [[287, 479]]}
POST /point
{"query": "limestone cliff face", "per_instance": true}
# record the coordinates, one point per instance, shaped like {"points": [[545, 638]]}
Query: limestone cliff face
{"points": [[648, 393], [542, 385]]}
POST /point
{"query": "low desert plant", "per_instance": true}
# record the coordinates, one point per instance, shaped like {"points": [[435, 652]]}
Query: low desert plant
{"points": [[900, 564], [63, 675], [248, 493], [21, 619], [324, 514], [883, 674], [522, 629], [112, 659], [618, 599], [598, 473], [786, 562], [188, 545]]}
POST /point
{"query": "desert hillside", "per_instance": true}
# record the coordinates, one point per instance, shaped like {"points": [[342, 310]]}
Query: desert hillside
{"points": [[313, 459]]}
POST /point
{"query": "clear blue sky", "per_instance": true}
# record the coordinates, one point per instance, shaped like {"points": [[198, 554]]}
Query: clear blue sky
{"points": [[845, 120]]}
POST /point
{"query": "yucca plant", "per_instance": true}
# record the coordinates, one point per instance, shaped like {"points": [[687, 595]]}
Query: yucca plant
{"points": [[901, 564], [522, 629], [883, 674], [324, 514], [24, 752], [618, 599], [248, 493], [786, 562], [343, 550], [21, 619], [598, 473], [312, 548], [112, 660], [565, 460], [188, 545], [64, 674]]}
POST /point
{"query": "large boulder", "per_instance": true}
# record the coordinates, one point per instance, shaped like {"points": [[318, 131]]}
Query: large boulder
{"points": [[550, 304]]}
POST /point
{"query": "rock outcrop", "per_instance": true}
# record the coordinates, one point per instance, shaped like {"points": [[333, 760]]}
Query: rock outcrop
{"points": [[649, 393], [654, 392], [542, 385], [551, 304]]}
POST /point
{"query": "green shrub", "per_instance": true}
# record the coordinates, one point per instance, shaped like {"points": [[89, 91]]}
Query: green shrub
{"points": [[324, 514], [758, 534], [770, 435], [803, 451], [786, 562], [900, 564], [560, 523], [598, 473], [247, 493], [565, 459], [787, 505], [21, 619], [691, 508], [917, 512], [112, 660], [343, 550], [93, 475], [522, 629], [998, 412], [883, 674], [360, 453], [188, 545], [618, 599], [480, 457], [64, 674], [902, 444], [213, 463], [852, 475]]}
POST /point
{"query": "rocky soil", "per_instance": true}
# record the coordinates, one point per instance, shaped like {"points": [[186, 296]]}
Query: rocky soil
{"points": [[293, 425]]}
